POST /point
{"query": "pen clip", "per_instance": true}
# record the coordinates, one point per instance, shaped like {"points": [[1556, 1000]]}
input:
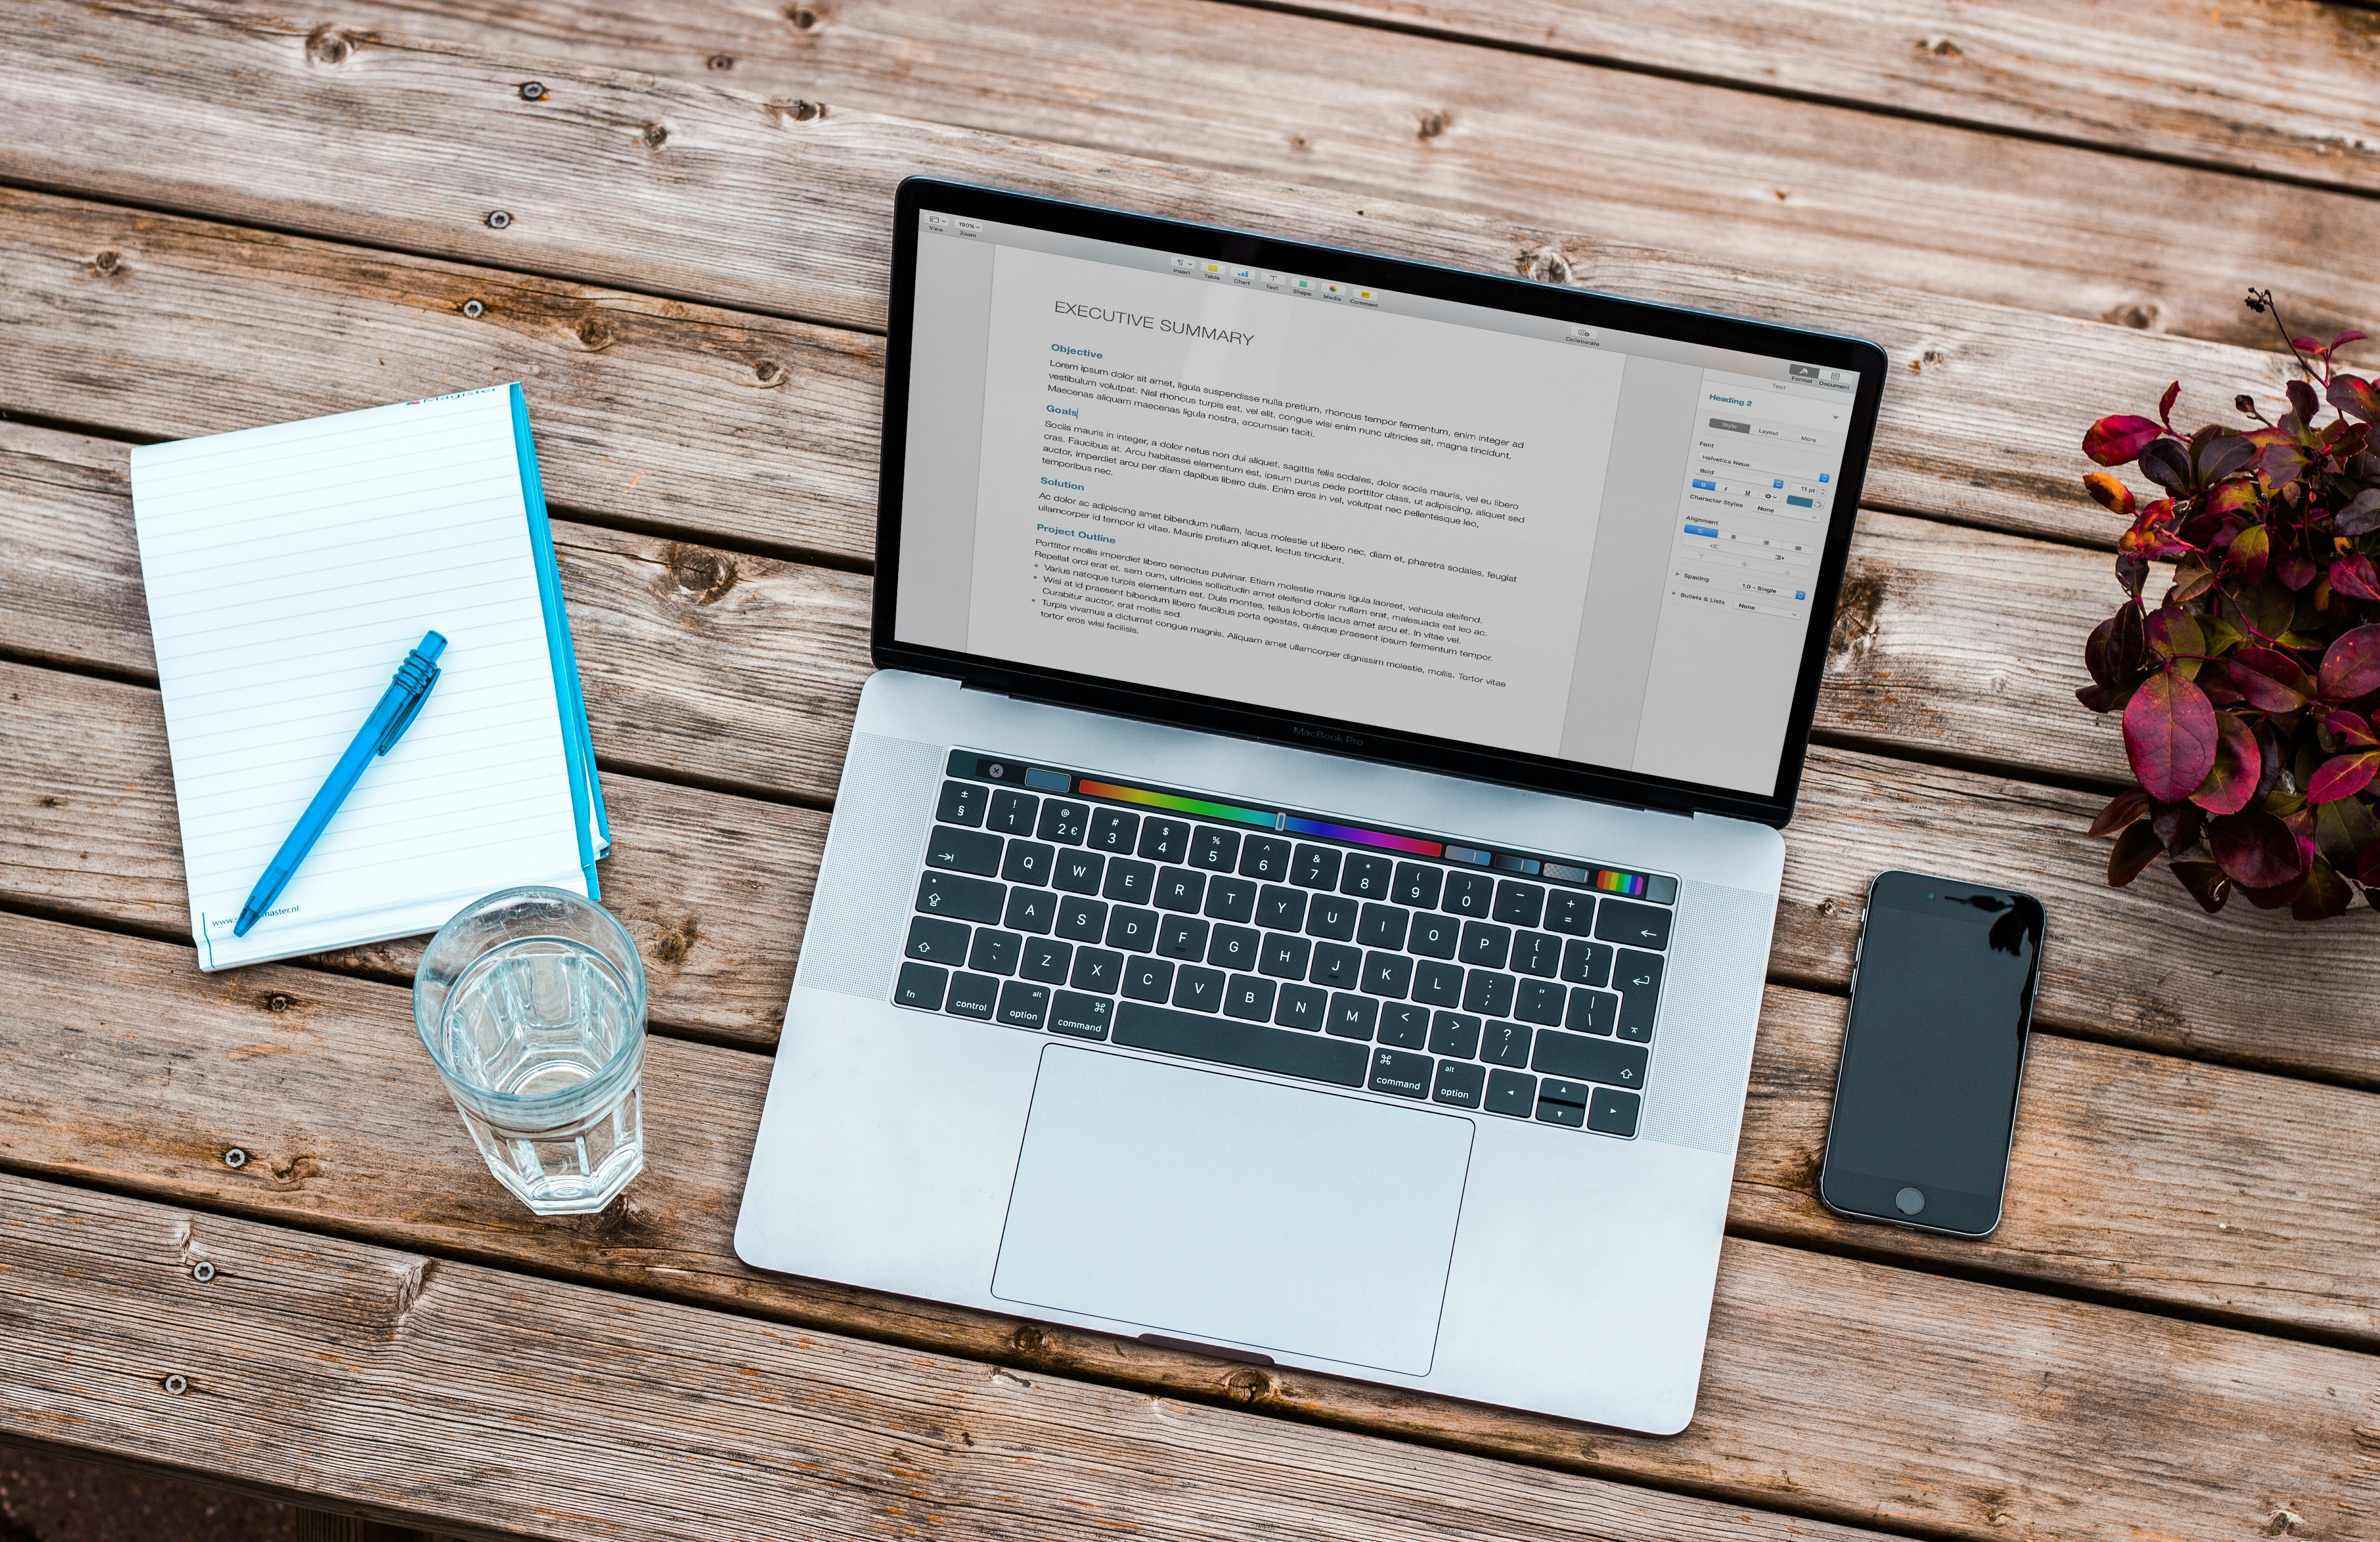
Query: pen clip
{"points": [[396, 726]]}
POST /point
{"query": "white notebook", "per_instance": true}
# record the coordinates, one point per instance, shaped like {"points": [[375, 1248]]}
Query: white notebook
{"points": [[289, 570]]}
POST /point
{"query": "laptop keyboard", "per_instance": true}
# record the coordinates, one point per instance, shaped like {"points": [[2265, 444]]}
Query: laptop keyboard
{"points": [[1244, 937]]}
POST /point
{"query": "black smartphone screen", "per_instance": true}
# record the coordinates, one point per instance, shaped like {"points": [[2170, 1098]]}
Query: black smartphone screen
{"points": [[1933, 1053]]}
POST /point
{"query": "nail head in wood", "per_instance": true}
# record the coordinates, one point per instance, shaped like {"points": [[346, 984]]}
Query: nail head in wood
{"points": [[473, 308], [235, 1158], [498, 219], [177, 1384], [202, 1272], [532, 91]]}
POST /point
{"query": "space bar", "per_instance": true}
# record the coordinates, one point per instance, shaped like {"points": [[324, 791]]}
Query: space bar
{"points": [[1232, 1043]]}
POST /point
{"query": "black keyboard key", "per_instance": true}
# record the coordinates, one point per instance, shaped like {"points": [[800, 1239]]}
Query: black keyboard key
{"points": [[960, 897], [1585, 1060], [1538, 953], [1232, 899], [1562, 1102], [1486, 947], [1265, 857], [1214, 851], [1182, 936], [1081, 920], [1079, 872], [1405, 1027], [1030, 909], [1487, 993], [1541, 1001], [1593, 1011], [1028, 862], [1434, 936], [1179, 888], [1201, 990], [1046, 959], [1315, 867], [1569, 912], [937, 940], [1249, 996], [1586, 964], [1149, 979], [921, 985], [1023, 1005], [1332, 916], [1063, 821], [1132, 882], [1113, 830], [1281, 909], [1133, 930], [1251, 1045], [1459, 1083], [1624, 921], [1304, 1007], [1235, 946], [1613, 1112], [962, 850], [961, 802], [1367, 877], [995, 952], [1519, 904], [1097, 969], [1382, 926], [1418, 885], [1284, 957], [1638, 976], [1401, 1072], [1165, 839], [1388, 974], [1437, 983], [1455, 1034], [1337, 966], [1352, 1017], [1506, 1044], [1509, 1091], [1084, 1017], [1469, 894], [973, 995], [1013, 812]]}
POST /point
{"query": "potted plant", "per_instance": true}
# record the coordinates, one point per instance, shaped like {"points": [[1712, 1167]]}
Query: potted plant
{"points": [[2249, 693]]}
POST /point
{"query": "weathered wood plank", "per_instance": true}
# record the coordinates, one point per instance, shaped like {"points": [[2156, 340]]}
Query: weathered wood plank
{"points": [[1924, 659], [490, 1405], [2275, 86], [2039, 1415], [750, 204], [1730, 175]]}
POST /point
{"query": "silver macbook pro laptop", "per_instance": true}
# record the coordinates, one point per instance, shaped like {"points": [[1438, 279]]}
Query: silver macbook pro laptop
{"points": [[1301, 881]]}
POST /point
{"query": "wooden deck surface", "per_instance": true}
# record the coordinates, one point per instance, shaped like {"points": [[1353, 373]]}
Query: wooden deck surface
{"points": [[220, 213]]}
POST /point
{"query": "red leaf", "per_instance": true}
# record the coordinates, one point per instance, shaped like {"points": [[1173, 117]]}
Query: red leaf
{"points": [[2351, 727], [2135, 848], [2355, 397], [2270, 679], [2350, 666], [2323, 895], [2112, 495], [2113, 654], [2343, 777], [2361, 515], [2177, 825], [2256, 849], [2352, 574], [2118, 440], [2248, 554], [2237, 765], [2165, 405], [2169, 735], [2126, 806]]}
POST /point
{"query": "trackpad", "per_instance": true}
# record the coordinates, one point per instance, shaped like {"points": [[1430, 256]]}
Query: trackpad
{"points": [[1216, 1208]]}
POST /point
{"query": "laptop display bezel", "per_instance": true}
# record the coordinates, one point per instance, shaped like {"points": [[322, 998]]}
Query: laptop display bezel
{"points": [[1273, 725]]}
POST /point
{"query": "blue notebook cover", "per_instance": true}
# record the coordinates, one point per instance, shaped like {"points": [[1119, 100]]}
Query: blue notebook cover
{"points": [[585, 787]]}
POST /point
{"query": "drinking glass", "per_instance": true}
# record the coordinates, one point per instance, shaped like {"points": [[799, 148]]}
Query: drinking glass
{"points": [[531, 1002]]}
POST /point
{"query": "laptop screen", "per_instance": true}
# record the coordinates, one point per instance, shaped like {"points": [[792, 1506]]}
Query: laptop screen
{"points": [[1360, 504]]}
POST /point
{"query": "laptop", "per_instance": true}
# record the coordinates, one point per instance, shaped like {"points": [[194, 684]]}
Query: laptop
{"points": [[1302, 880]]}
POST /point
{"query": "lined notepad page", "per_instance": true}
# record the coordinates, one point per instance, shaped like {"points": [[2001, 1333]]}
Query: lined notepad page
{"points": [[289, 570]]}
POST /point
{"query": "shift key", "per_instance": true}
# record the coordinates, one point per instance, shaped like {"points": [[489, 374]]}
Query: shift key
{"points": [[956, 895]]}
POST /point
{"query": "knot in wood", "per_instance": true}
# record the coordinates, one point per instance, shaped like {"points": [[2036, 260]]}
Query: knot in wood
{"points": [[768, 371], [592, 334], [799, 110], [104, 263], [677, 941], [653, 136], [802, 16], [328, 45], [1030, 1341], [700, 572], [276, 1002], [1546, 267], [2140, 315], [1433, 124], [1249, 1384], [1941, 48], [721, 61]]}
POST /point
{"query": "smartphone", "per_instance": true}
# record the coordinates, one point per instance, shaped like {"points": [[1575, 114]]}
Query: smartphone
{"points": [[1932, 1054]]}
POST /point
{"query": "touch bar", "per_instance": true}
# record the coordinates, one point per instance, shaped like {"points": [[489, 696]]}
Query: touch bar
{"points": [[1351, 834], [1200, 806]]}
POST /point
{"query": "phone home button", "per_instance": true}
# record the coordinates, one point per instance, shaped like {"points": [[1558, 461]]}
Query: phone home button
{"points": [[1908, 1202]]}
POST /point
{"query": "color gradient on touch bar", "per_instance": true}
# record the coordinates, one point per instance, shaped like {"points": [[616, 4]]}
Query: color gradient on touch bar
{"points": [[1619, 883], [1361, 837], [1146, 799]]}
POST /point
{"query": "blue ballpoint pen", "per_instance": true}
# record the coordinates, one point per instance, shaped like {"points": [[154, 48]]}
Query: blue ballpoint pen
{"points": [[399, 706]]}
